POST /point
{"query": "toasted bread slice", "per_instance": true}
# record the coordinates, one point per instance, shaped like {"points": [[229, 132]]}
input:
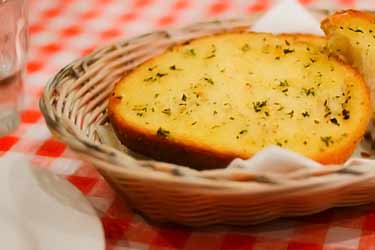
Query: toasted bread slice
{"points": [[208, 101], [351, 36]]}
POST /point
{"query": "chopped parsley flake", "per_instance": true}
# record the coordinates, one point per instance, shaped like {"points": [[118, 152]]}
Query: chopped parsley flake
{"points": [[162, 132], [244, 131], [284, 83], [160, 75], [156, 77], [346, 114], [334, 121], [245, 48], [213, 51], [209, 80], [287, 51], [306, 114], [308, 92], [166, 111], [192, 52], [173, 67], [327, 140], [355, 30], [259, 105]]}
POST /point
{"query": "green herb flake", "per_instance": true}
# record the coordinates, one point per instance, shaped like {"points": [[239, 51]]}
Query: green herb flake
{"points": [[306, 114], [284, 83], [173, 67], [162, 132], [245, 47], [287, 51], [327, 140], [191, 52], [334, 121], [160, 75], [280, 108], [244, 131], [209, 80], [308, 92], [149, 79], [348, 99], [328, 114], [166, 111], [259, 105], [213, 51], [139, 108], [346, 114], [355, 30], [152, 68]]}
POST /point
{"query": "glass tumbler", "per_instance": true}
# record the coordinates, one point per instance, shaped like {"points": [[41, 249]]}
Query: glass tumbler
{"points": [[13, 46]]}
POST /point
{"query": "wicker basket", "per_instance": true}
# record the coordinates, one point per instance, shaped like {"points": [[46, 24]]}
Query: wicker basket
{"points": [[74, 106]]}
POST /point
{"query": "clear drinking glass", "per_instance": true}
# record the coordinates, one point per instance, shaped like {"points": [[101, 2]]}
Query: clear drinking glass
{"points": [[13, 46]]}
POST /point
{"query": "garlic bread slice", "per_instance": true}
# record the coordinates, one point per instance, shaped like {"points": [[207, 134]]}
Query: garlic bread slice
{"points": [[351, 36], [210, 100]]}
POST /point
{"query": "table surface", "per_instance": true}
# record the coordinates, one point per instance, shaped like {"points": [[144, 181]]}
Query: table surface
{"points": [[64, 30]]}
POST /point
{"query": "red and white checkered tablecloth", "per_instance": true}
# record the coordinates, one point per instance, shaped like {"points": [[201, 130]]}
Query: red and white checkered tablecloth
{"points": [[62, 30]]}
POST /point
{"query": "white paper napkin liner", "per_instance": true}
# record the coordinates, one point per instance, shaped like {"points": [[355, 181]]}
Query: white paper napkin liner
{"points": [[288, 16]]}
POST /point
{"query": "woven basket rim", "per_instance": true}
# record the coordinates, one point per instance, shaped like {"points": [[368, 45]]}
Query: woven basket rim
{"points": [[224, 179]]}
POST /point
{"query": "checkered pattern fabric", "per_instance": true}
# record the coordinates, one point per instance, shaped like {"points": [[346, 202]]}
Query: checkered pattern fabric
{"points": [[62, 30]]}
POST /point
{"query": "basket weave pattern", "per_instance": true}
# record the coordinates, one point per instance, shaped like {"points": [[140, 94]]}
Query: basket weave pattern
{"points": [[75, 107]]}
